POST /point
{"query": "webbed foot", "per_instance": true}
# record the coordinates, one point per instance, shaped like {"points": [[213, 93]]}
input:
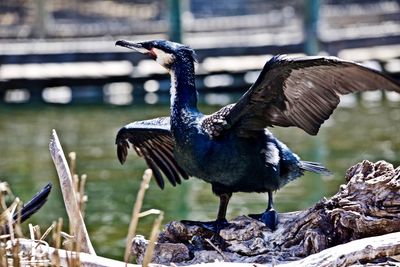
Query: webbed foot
{"points": [[269, 217], [213, 226]]}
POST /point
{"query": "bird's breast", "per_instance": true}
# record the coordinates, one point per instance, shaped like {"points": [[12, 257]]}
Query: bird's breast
{"points": [[190, 151], [228, 160]]}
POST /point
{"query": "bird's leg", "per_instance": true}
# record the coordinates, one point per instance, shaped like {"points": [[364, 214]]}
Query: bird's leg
{"points": [[220, 222], [270, 201], [223, 205], [270, 216]]}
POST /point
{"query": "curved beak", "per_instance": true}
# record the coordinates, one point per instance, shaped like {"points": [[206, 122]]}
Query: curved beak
{"points": [[132, 45]]}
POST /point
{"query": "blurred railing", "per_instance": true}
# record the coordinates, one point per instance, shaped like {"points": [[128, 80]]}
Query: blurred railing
{"points": [[95, 18], [65, 48], [26, 19]]}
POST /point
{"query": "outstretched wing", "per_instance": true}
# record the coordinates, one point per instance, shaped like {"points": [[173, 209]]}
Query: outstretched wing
{"points": [[153, 141], [301, 92]]}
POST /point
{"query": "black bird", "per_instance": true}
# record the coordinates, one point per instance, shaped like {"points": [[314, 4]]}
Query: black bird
{"points": [[231, 148], [29, 208]]}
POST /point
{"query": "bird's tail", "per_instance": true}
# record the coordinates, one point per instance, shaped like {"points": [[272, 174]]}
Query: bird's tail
{"points": [[314, 167], [33, 205]]}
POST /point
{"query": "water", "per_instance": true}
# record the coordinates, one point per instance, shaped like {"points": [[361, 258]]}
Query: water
{"points": [[351, 135]]}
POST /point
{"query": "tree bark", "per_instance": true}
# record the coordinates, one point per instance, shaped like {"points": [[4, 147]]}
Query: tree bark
{"points": [[367, 206]]}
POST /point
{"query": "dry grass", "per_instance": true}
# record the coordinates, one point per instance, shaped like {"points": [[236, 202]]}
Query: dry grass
{"points": [[43, 246], [15, 251], [153, 238], [55, 247], [135, 213], [18, 251]]}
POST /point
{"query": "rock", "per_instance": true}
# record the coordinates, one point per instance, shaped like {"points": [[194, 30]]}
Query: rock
{"points": [[164, 253]]}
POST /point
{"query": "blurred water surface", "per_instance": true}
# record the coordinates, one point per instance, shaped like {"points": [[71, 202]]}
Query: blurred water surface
{"points": [[351, 135]]}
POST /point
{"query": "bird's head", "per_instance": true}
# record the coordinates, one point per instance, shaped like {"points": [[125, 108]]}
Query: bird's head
{"points": [[166, 53]]}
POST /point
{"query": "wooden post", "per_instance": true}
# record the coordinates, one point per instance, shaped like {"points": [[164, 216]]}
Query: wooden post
{"points": [[311, 14], [175, 22], [41, 19]]}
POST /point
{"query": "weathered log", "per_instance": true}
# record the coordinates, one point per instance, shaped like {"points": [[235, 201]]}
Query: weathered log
{"points": [[39, 253], [367, 206], [341, 255], [69, 196], [377, 249]]}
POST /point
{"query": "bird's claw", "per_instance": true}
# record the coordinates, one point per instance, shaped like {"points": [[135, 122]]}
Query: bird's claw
{"points": [[269, 217], [214, 226]]}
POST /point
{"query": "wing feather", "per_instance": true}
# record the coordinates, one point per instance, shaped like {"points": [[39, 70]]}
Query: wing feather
{"points": [[160, 162], [156, 172], [300, 92], [152, 140]]}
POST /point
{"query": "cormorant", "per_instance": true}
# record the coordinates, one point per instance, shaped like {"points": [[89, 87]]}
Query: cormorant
{"points": [[231, 149]]}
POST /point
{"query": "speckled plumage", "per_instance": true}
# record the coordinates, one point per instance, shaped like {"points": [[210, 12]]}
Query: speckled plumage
{"points": [[231, 149], [214, 124]]}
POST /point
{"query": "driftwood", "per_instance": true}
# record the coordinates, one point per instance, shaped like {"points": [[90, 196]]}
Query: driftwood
{"points": [[366, 209], [68, 192], [341, 255], [39, 253]]}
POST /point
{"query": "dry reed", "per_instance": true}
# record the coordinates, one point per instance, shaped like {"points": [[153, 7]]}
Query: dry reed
{"points": [[148, 255], [135, 213], [15, 251]]}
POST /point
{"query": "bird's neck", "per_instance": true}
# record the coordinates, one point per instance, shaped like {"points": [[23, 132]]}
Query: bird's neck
{"points": [[184, 111], [183, 89]]}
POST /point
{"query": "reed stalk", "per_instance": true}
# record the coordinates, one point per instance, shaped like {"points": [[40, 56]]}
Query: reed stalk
{"points": [[72, 162], [135, 213], [82, 195], [148, 255]]}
